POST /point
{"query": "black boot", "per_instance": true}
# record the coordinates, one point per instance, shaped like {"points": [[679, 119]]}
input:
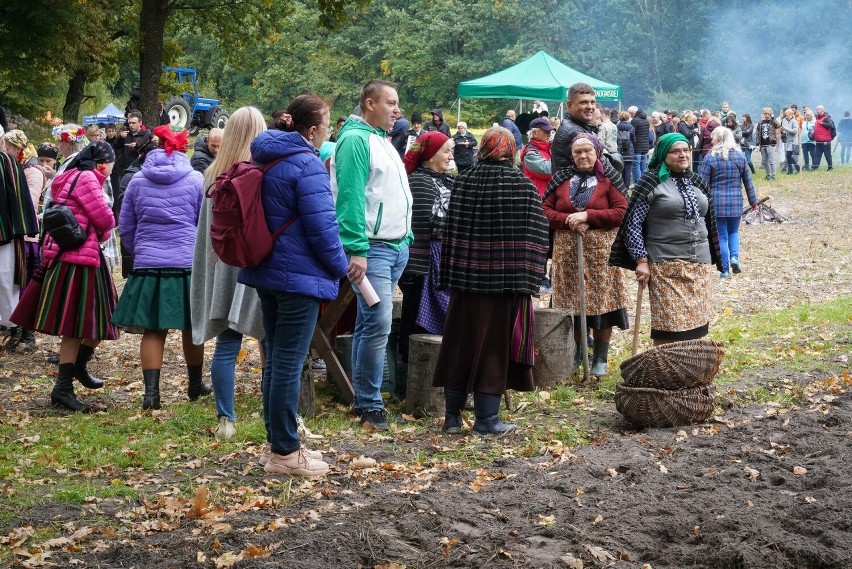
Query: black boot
{"points": [[151, 399], [578, 357], [454, 401], [487, 409], [14, 337], [196, 388], [28, 341], [599, 361], [81, 374], [63, 392]]}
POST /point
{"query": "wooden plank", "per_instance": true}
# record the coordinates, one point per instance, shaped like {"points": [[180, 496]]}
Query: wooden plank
{"points": [[337, 307], [322, 344]]}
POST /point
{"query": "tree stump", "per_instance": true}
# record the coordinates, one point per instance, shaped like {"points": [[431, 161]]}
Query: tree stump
{"points": [[421, 399], [554, 347], [307, 394]]}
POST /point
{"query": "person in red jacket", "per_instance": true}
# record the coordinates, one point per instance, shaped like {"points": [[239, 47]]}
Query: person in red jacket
{"points": [[581, 201], [824, 132], [72, 294], [536, 165]]}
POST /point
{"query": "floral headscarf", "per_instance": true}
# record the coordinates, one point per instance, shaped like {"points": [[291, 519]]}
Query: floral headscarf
{"points": [[20, 141], [424, 148], [171, 139], [598, 168], [497, 144]]}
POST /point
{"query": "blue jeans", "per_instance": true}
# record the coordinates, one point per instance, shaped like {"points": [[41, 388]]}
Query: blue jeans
{"points": [[228, 345], [729, 239], [289, 321], [373, 325], [640, 165]]}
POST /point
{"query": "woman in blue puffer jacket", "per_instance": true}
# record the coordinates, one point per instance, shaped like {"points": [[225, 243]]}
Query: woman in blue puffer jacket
{"points": [[304, 269]]}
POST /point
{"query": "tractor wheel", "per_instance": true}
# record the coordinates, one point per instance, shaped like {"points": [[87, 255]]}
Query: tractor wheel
{"points": [[218, 118], [180, 115], [193, 130]]}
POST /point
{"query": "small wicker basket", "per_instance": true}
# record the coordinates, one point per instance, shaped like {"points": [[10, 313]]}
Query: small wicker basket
{"points": [[650, 407], [678, 365]]}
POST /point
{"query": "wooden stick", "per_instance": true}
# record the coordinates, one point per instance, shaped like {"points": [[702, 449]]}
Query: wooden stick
{"points": [[584, 329], [638, 318]]}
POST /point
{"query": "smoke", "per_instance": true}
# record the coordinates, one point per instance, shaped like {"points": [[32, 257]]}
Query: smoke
{"points": [[775, 54]]}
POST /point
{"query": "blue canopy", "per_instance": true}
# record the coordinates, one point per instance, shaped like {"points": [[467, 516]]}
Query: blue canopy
{"points": [[108, 115]]}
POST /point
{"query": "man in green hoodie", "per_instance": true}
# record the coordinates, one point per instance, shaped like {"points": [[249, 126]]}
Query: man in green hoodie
{"points": [[373, 204]]}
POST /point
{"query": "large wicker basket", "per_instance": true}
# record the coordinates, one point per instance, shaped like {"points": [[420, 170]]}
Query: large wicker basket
{"points": [[649, 407], [678, 365]]}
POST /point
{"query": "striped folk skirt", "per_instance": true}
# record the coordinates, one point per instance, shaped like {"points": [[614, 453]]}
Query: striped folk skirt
{"points": [[65, 299], [681, 295]]}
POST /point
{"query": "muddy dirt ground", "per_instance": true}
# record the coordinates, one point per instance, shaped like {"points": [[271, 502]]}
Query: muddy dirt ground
{"points": [[756, 487]]}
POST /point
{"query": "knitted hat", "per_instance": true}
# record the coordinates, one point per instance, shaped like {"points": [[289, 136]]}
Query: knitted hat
{"points": [[416, 117]]}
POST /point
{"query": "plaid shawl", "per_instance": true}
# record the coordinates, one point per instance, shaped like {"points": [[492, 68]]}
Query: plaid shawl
{"points": [[495, 240], [619, 257], [17, 214]]}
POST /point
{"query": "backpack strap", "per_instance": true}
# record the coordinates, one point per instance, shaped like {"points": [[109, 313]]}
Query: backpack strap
{"points": [[71, 189]]}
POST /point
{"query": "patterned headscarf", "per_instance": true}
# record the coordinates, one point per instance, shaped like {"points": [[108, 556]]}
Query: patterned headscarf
{"points": [[98, 152], [598, 168], [664, 144], [171, 139], [20, 140], [497, 144], [424, 148]]}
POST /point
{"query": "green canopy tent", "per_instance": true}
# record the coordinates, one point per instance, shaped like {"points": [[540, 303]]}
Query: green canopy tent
{"points": [[538, 77]]}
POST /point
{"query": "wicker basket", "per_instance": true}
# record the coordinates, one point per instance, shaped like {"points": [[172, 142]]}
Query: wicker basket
{"points": [[679, 365], [648, 407]]}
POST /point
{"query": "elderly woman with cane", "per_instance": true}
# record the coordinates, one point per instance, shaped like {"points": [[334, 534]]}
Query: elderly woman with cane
{"points": [[669, 238], [584, 207], [492, 259]]}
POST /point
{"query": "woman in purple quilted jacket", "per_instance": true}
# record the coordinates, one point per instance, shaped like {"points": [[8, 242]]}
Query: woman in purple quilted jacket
{"points": [[157, 225], [72, 294]]}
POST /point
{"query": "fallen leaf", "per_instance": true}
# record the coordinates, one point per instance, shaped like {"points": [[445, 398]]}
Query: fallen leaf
{"points": [[663, 469], [751, 473], [571, 562], [600, 554], [646, 566], [546, 520], [597, 520], [447, 544], [612, 472], [362, 462], [200, 557], [226, 560], [800, 470]]}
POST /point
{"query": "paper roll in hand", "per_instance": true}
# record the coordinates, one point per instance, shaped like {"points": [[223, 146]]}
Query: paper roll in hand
{"points": [[367, 291]]}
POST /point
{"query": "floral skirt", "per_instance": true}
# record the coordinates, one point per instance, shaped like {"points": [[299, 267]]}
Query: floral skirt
{"points": [[681, 299], [155, 299], [65, 299], [606, 286]]}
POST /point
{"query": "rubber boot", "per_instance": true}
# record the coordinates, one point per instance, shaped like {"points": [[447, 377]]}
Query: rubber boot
{"points": [[599, 361], [487, 409], [81, 374], [578, 357], [454, 401], [196, 388], [63, 391], [151, 399]]}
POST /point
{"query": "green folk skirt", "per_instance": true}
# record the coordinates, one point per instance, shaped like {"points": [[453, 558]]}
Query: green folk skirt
{"points": [[154, 299]]}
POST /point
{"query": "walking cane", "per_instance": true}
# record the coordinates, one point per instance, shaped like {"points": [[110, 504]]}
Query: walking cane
{"points": [[638, 318], [584, 329]]}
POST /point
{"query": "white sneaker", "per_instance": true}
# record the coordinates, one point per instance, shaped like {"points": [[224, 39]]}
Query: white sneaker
{"points": [[304, 432], [226, 429], [264, 458], [296, 464]]}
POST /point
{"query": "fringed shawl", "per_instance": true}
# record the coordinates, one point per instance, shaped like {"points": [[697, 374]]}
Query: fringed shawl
{"points": [[17, 214], [495, 239]]}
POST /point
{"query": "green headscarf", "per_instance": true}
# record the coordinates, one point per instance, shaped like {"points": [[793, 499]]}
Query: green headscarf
{"points": [[659, 159]]}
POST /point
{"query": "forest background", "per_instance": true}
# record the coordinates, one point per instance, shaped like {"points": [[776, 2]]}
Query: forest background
{"points": [[72, 57]]}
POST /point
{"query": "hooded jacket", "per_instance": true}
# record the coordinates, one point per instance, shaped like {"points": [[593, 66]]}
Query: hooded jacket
{"points": [[88, 205], [159, 212], [822, 128], [202, 157], [642, 126], [308, 258], [443, 128], [370, 188]]}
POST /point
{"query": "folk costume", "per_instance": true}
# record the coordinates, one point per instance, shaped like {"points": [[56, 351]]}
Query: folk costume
{"points": [[493, 253]]}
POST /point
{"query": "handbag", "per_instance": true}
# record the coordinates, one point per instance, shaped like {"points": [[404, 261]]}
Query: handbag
{"points": [[61, 224]]}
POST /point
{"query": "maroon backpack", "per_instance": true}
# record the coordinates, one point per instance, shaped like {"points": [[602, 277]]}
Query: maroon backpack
{"points": [[238, 227]]}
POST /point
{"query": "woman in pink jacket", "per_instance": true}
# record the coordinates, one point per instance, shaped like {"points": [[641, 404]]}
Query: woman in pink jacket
{"points": [[72, 294]]}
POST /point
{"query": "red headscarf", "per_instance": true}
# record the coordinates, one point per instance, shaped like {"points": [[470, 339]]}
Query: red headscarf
{"points": [[170, 139], [424, 148]]}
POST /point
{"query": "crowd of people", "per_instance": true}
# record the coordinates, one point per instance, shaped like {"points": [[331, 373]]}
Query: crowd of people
{"points": [[468, 229]]}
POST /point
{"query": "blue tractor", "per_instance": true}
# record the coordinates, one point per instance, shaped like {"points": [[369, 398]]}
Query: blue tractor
{"points": [[190, 110]]}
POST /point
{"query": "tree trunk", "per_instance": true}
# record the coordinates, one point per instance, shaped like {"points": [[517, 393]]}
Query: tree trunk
{"points": [[74, 97], [152, 25]]}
